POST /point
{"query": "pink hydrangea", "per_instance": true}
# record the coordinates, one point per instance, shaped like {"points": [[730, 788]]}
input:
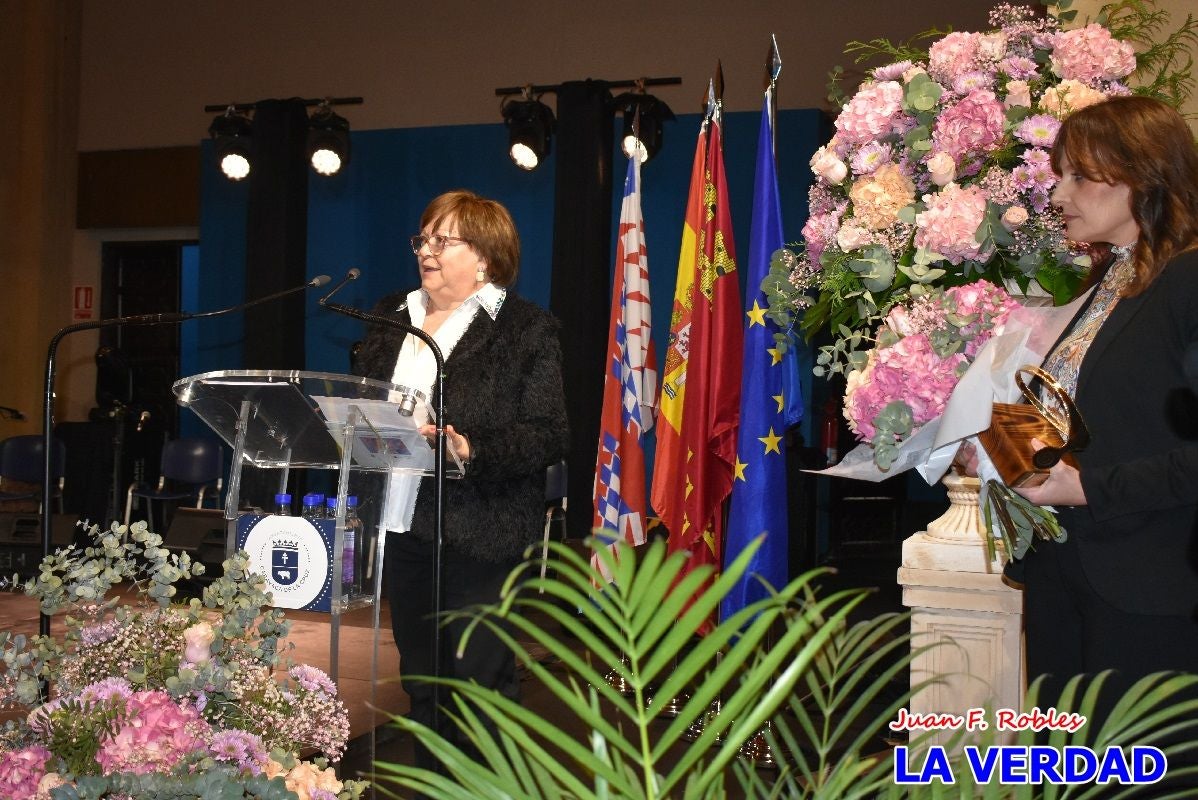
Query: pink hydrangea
{"points": [[21, 771], [971, 127], [908, 370], [1091, 54], [156, 734], [953, 55], [949, 224], [989, 304], [819, 233], [874, 112]]}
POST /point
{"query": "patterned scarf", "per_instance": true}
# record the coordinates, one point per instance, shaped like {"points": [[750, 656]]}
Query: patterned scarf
{"points": [[1066, 360]]}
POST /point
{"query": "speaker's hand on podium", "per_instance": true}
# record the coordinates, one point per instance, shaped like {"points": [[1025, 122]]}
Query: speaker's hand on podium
{"points": [[458, 442]]}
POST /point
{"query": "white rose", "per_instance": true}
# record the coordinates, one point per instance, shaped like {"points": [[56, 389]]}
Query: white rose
{"points": [[942, 169], [911, 72], [852, 237], [198, 641], [828, 166]]}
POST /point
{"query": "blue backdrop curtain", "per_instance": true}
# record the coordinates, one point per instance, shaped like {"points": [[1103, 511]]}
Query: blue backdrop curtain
{"points": [[364, 216]]}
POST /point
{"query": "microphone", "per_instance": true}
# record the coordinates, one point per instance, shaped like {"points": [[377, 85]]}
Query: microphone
{"points": [[353, 274], [318, 281]]}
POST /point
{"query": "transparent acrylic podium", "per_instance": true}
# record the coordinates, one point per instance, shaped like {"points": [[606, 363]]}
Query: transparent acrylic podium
{"points": [[284, 420]]}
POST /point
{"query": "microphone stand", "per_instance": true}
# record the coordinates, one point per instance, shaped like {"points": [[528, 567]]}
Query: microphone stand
{"points": [[438, 465], [166, 318]]}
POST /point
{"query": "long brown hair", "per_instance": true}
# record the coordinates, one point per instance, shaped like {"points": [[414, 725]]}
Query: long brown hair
{"points": [[1147, 146]]}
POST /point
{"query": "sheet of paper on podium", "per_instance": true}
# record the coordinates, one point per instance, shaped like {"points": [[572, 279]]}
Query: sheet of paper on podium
{"points": [[384, 438]]}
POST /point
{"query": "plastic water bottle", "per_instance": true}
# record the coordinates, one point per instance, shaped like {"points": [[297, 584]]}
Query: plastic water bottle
{"points": [[313, 507], [350, 581], [283, 505]]}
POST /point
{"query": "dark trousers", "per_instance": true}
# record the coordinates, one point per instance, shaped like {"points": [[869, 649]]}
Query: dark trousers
{"points": [[464, 582], [1072, 630]]}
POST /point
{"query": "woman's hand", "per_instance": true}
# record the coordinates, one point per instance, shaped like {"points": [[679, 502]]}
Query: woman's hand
{"points": [[1063, 487], [457, 442], [966, 461]]}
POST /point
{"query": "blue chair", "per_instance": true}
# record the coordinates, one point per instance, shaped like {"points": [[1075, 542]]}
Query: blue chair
{"points": [[192, 467], [22, 460]]}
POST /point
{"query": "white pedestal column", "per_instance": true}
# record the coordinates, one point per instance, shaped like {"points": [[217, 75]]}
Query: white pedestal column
{"points": [[961, 606]]}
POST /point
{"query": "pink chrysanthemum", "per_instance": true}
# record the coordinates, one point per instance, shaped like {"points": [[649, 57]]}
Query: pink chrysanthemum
{"points": [[1039, 130]]}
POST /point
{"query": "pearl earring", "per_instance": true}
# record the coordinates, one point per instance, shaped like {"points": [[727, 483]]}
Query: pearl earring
{"points": [[480, 276]]}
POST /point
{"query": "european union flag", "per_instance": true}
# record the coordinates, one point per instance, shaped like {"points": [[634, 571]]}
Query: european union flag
{"points": [[766, 410]]}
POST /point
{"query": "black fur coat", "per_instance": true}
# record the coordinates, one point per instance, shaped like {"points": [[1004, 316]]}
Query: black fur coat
{"points": [[503, 390]]}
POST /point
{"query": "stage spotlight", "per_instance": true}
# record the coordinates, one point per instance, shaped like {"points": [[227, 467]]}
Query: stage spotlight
{"points": [[530, 126], [643, 118], [328, 140], [230, 133]]}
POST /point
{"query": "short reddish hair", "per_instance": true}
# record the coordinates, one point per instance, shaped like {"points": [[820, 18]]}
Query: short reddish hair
{"points": [[485, 224]]}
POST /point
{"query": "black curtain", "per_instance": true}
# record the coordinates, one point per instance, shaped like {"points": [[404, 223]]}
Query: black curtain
{"points": [[276, 257], [277, 234], [580, 294]]}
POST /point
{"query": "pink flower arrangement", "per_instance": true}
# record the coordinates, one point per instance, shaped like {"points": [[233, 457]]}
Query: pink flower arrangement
{"points": [[920, 352], [206, 698], [938, 175]]}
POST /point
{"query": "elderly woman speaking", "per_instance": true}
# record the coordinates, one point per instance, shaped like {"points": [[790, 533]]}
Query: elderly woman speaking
{"points": [[505, 418]]}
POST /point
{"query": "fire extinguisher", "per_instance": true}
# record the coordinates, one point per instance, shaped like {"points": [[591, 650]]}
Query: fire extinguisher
{"points": [[830, 431]]}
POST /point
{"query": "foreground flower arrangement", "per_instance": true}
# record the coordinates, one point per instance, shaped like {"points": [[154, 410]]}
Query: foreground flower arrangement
{"points": [[154, 699]]}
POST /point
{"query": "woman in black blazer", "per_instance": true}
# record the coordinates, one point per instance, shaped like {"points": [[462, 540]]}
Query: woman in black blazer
{"points": [[1122, 591], [505, 417]]}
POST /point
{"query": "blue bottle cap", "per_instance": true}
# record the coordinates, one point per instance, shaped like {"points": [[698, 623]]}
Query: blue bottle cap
{"points": [[282, 498]]}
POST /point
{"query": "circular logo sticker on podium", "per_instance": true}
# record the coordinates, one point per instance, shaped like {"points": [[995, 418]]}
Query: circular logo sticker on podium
{"points": [[294, 557]]}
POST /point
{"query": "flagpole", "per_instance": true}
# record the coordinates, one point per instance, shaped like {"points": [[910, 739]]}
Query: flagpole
{"points": [[757, 749]]}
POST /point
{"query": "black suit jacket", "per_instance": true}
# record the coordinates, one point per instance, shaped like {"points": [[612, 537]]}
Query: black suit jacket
{"points": [[503, 390], [1136, 537]]}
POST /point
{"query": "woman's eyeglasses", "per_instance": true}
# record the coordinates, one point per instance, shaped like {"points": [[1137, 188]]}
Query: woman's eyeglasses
{"points": [[436, 243]]}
